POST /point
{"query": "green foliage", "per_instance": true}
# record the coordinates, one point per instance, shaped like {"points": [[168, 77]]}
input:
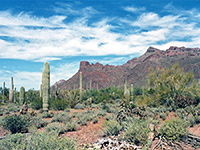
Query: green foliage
{"points": [[55, 127], [71, 126], [37, 141], [137, 133], [36, 103], [15, 124], [37, 122], [111, 127], [174, 129], [79, 106], [58, 104], [62, 117], [166, 85], [47, 115]]}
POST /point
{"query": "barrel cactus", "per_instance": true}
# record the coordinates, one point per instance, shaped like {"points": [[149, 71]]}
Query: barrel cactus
{"points": [[45, 86], [22, 96]]}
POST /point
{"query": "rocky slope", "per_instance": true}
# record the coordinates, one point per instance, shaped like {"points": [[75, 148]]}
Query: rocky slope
{"points": [[134, 70]]}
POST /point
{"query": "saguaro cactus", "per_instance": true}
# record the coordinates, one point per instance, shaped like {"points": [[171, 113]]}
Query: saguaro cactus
{"points": [[3, 92], [45, 86], [14, 96], [40, 90], [22, 96], [56, 90], [11, 91], [131, 92], [81, 87], [90, 84], [125, 86]]}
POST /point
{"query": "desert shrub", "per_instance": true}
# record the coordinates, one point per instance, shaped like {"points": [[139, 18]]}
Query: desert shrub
{"points": [[55, 127], [137, 133], [194, 120], [95, 120], [174, 129], [101, 113], [47, 115], [79, 106], [39, 141], [163, 116], [62, 117], [111, 127], [184, 101], [71, 126], [82, 119], [15, 124], [36, 103], [58, 104], [38, 122]]}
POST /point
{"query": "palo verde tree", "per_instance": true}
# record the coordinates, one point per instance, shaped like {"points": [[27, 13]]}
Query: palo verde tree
{"points": [[165, 85]]}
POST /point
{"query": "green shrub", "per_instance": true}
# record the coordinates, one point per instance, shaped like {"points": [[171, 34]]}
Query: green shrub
{"points": [[174, 129], [38, 122], [163, 116], [111, 127], [71, 126], [15, 124], [62, 117], [79, 106], [37, 141], [55, 127], [58, 104], [47, 115], [137, 133], [36, 103]]}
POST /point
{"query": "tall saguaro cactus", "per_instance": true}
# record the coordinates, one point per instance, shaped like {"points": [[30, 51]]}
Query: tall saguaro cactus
{"points": [[3, 92], [40, 90], [131, 91], [11, 91], [81, 87], [14, 96], [90, 84], [45, 86], [125, 85], [22, 96]]}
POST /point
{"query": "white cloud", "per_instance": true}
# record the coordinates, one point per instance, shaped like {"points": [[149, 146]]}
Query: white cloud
{"points": [[134, 9]]}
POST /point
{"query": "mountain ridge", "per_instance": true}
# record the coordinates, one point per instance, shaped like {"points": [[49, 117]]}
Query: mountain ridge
{"points": [[134, 70]]}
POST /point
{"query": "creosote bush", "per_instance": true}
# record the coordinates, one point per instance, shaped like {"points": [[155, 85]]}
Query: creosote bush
{"points": [[137, 133], [37, 141], [111, 127], [174, 129], [15, 123]]}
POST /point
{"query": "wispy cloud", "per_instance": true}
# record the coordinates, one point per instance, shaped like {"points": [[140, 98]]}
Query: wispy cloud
{"points": [[28, 37], [134, 9]]}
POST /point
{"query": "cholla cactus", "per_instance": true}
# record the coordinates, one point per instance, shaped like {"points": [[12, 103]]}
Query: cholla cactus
{"points": [[81, 87], [46, 86], [22, 96]]}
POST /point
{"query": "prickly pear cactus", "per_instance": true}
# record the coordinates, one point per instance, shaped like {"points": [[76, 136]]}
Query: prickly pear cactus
{"points": [[22, 96], [46, 86]]}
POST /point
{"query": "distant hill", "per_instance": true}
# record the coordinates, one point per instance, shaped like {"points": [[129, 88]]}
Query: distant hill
{"points": [[134, 70]]}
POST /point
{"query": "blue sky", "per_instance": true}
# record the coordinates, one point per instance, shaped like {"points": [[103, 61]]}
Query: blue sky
{"points": [[65, 32]]}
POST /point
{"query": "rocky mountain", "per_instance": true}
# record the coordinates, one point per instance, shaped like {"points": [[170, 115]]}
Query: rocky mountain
{"points": [[134, 70]]}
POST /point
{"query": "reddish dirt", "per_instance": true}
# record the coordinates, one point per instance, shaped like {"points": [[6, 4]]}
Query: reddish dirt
{"points": [[195, 130], [2, 132], [87, 134]]}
